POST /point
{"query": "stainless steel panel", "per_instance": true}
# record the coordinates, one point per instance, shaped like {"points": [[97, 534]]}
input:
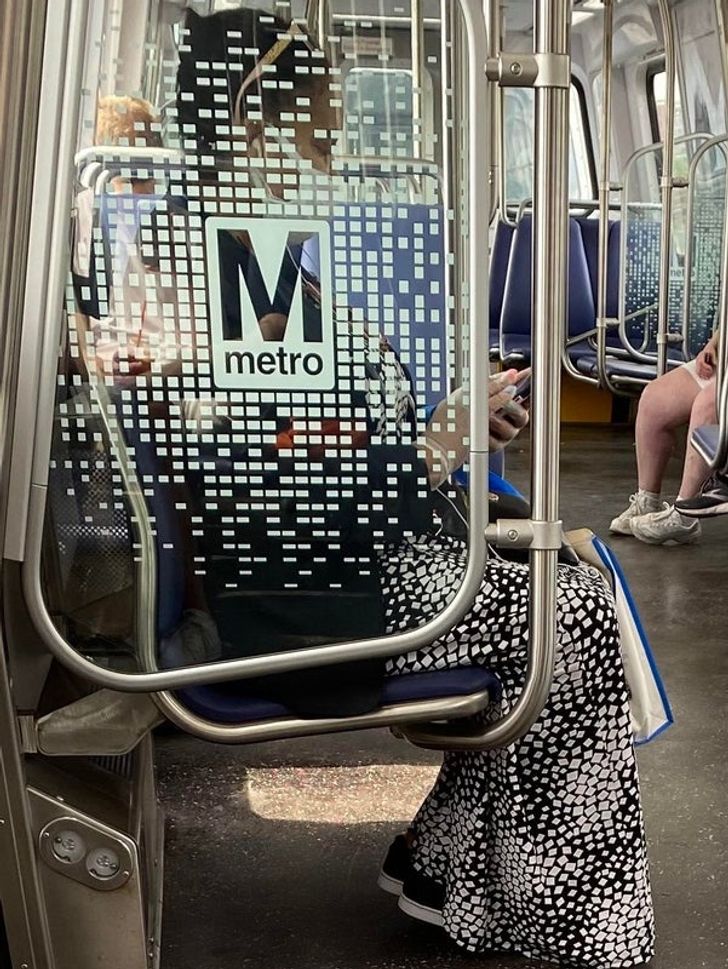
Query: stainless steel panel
{"points": [[90, 928]]}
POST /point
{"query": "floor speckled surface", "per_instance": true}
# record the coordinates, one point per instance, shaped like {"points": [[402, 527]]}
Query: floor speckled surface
{"points": [[273, 850]]}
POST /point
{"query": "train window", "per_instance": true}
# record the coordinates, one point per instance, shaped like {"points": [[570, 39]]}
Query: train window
{"points": [[379, 113], [657, 103], [519, 126]]}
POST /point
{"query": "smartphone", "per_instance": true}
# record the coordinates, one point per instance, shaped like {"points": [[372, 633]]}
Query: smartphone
{"points": [[519, 394], [523, 390]]}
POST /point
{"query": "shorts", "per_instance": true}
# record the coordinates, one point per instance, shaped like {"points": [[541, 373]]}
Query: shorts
{"points": [[692, 368]]}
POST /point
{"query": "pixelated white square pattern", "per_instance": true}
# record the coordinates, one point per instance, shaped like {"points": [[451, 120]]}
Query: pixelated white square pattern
{"points": [[252, 362]]}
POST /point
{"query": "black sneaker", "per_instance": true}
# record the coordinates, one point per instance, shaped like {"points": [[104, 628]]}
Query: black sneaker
{"points": [[423, 898], [712, 500], [396, 866]]}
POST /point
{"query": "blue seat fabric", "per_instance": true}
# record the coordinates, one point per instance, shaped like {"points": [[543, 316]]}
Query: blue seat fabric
{"points": [[617, 367], [516, 316], [499, 261], [583, 283], [230, 703], [706, 440]]}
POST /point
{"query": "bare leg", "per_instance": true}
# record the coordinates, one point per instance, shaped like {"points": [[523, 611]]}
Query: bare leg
{"points": [[695, 470], [665, 405]]}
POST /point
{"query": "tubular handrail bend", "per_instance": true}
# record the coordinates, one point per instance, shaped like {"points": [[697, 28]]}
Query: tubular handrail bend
{"points": [[478, 431], [417, 38], [721, 141], [638, 355], [495, 40], [552, 20], [604, 205]]}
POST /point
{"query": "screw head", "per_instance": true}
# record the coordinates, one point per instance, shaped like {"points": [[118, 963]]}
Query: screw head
{"points": [[516, 68], [513, 535]]}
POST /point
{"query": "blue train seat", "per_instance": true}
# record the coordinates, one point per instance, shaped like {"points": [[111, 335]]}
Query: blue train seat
{"points": [[643, 243], [232, 703], [621, 368], [410, 295], [590, 236], [516, 317]]}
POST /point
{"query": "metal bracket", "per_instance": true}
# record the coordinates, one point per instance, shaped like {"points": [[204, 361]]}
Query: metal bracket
{"points": [[524, 533], [530, 70], [607, 323]]}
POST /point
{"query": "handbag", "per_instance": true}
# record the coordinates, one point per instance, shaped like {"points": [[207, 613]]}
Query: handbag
{"points": [[649, 705]]}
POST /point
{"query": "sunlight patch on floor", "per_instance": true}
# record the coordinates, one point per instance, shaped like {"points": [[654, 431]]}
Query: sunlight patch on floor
{"points": [[339, 795]]}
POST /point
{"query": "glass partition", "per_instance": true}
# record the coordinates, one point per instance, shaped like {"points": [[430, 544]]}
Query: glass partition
{"points": [[258, 328], [706, 228]]}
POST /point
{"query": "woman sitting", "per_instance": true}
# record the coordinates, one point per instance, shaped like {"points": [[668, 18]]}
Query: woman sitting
{"points": [[682, 396]]}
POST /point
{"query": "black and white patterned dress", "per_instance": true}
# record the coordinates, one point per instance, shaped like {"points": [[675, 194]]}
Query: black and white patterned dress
{"points": [[540, 846]]}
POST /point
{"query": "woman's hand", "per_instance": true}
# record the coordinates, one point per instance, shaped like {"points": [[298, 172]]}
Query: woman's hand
{"points": [[508, 417], [706, 361], [445, 443]]}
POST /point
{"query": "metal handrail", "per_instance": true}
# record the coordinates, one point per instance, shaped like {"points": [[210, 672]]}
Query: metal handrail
{"points": [[550, 232], [494, 26], [721, 141], [639, 356], [698, 137], [667, 183]]}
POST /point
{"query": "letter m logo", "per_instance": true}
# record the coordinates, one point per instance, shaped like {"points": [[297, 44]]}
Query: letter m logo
{"points": [[270, 303]]}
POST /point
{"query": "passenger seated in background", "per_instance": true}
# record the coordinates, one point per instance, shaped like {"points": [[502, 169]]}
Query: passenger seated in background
{"points": [[683, 396], [539, 848], [128, 122]]}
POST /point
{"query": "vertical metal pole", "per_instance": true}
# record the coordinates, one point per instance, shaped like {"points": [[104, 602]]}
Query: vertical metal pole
{"points": [[605, 179], [456, 120], [501, 123], [449, 168], [494, 22], [22, 28], [417, 36], [552, 35], [666, 186], [322, 25]]}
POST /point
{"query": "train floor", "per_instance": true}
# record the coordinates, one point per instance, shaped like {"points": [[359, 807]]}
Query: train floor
{"points": [[273, 850]]}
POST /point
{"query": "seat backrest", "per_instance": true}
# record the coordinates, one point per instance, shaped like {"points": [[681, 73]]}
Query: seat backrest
{"points": [[499, 259], [516, 317], [590, 237], [642, 274], [409, 293]]}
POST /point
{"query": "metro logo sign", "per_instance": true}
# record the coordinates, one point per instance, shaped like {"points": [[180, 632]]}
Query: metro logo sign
{"points": [[259, 277]]}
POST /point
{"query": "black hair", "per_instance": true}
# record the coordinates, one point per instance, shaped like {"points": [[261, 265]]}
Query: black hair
{"points": [[218, 52]]}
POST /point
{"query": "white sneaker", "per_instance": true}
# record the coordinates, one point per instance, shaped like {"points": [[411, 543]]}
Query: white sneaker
{"points": [[666, 527], [639, 504]]}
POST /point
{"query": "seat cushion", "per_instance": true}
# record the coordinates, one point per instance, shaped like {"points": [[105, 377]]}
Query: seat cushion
{"points": [[231, 703], [618, 367]]}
